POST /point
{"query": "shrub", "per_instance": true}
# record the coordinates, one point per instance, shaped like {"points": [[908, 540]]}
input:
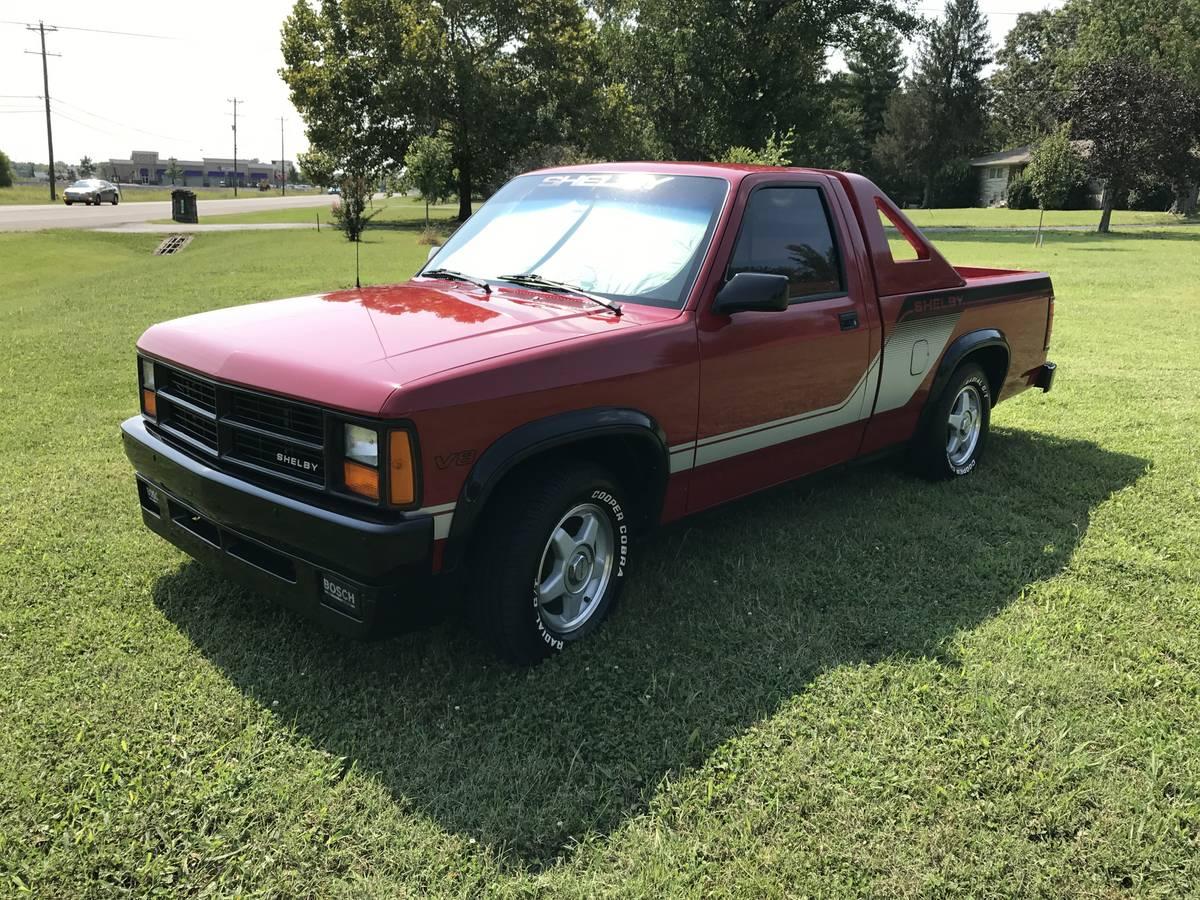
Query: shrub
{"points": [[1055, 169], [350, 214], [1020, 194], [777, 152], [6, 174], [955, 185]]}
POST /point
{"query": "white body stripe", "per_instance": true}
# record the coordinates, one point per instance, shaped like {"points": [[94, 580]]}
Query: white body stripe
{"points": [[909, 351], [897, 372], [443, 516]]}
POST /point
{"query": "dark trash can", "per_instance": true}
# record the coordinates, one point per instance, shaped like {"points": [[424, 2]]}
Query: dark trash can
{"points": [[183, 206]]}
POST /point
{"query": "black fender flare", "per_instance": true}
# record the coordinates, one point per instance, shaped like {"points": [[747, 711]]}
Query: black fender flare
{"points": [[962, 347], [539, 436]]}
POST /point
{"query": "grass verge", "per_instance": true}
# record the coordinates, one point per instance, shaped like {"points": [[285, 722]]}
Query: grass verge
{"points": [[861, 684], [40, 193]]}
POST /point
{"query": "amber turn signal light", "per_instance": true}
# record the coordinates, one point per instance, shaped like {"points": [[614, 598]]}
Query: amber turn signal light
{"points": [[403, 480], [362, 480], [149, 403]]}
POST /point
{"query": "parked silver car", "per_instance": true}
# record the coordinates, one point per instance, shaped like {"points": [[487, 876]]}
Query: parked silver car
{"points": [[92, 191]]}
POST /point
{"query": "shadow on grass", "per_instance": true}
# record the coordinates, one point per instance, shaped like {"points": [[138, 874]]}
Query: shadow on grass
{"points": [[730, 615]]}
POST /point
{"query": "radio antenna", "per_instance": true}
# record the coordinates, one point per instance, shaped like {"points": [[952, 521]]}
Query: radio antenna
{"points": [[356, 282]]}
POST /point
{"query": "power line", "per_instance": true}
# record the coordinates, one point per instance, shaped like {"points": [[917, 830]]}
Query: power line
{"points": [[166, 137], [157, 37]]}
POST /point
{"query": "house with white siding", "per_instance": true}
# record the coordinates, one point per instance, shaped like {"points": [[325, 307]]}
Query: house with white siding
{"points": [[996, 170]]}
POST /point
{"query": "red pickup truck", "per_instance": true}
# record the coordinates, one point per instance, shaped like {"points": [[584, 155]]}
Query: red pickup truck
{"points": [[598, 350]]}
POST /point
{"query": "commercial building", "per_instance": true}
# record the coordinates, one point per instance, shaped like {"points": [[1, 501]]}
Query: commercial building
{"points": [[147, 167]]}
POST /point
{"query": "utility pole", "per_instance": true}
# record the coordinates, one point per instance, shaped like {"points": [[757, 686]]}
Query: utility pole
{"points": [[282, 163], [235, 101], [41, 30]]}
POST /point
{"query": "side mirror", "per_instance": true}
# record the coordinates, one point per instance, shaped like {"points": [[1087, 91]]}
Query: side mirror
{"points": [[432, 252], [752, 292]]}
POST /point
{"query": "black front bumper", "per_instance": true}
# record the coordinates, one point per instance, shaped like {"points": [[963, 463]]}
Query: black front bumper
{"points": [[351, 574]]}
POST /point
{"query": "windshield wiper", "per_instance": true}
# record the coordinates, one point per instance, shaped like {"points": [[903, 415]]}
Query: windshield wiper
{"points": [[534, 280], [451, 275]]}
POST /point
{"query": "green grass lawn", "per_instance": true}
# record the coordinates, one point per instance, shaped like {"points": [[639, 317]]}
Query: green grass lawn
{"points": [[859, 685], [1027, 218], [389, 211], [40, 193], [395, 209]]}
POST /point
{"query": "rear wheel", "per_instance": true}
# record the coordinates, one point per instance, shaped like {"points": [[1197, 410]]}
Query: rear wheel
{"points": [[952, 439], [551, 561], [116, 199]]}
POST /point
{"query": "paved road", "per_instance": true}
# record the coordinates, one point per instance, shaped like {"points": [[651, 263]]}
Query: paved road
{"points": [[35, 217]]}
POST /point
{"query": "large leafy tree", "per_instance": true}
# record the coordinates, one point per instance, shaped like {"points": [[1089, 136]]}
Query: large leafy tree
{"points": [[714, 74], [941, 114], [1030, 76], [1141, 122], [369, 75], [6, 172]]}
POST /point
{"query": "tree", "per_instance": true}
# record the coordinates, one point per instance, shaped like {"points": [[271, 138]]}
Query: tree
{"points": [[429, 169], [715, 74], [940, 114], [350, 211], [776, 152], [173, 171], [368, 75], [1056, 169], [1030, 75], [1141, 123], [6, 172], [86, 167], [293, 177], [876, 64]]}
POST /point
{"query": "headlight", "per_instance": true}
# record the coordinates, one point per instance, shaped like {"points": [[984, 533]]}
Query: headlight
{"points": [[362, 445], [147, 373], [360, 467]]}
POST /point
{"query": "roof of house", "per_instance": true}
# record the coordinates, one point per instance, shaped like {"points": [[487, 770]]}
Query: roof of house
{"points": [[1014, 157]]}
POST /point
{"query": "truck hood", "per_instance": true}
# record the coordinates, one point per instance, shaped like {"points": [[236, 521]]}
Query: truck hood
{"points": [[351, 349]]}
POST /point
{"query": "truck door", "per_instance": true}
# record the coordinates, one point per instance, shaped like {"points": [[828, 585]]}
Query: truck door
{"points": [[785, 393]]}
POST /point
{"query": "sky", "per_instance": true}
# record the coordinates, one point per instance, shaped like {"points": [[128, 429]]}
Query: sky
{"points": [[114, 93]]}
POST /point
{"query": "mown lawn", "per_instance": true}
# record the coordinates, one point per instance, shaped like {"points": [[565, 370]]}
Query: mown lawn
{"points": [[400, 209], [387, 211], [40, 193], [861, 685]]}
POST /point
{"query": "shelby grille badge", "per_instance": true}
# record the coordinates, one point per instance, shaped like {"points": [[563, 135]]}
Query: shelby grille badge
{"points": [[305, 465]]}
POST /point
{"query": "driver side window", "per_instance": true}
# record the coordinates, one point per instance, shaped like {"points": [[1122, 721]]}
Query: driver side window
{"points": [[786, 231]]}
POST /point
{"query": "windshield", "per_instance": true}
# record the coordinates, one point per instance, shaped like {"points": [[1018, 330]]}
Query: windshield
{"points": [[86, 183], [623, 235]]}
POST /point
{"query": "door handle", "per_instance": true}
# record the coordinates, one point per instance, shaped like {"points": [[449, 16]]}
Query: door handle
{"points": [[848, 320]]}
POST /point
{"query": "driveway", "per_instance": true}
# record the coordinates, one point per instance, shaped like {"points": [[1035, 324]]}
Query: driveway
{"points": [[39, 216]]}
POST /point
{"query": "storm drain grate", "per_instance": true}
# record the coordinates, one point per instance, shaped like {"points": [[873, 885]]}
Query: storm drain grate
{"points": [[173, 244]]}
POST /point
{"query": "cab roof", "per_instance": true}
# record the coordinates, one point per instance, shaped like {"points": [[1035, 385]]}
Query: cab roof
{"points": [[733, 172]]}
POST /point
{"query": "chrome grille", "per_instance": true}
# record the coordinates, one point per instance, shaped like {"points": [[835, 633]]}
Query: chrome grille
{"points": [[270, 435]]}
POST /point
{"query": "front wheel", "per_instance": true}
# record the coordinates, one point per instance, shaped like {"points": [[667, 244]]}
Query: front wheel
{"points": [[552, 559], [116, 199], [952, 439]]}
